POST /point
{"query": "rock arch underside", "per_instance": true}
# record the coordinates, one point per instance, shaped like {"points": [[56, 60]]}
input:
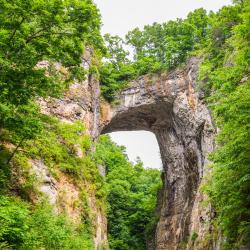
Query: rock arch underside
{"points": [[169, 106]]}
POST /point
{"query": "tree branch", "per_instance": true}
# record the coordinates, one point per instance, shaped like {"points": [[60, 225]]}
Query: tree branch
{"points": [[15, 150], [14, 32]]}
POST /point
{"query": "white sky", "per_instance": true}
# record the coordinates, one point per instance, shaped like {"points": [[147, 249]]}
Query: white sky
{"points": [[142, 144], [121, 16]]}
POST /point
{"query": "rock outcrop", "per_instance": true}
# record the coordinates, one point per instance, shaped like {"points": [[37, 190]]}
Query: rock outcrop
{"points": [[79, 103], [169, 106]]}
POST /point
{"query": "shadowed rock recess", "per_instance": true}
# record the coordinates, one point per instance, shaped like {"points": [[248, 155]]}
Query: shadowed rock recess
{"points": [[169, 106]]}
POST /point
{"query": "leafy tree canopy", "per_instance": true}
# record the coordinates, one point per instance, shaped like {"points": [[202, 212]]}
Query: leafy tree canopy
{"points": [[132, 192], [38, 39]]}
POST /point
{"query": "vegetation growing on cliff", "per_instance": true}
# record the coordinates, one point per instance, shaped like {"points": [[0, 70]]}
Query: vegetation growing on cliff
{"points": [[41, 48], [131, 197], [37, 38], [41, 52], [226, 71], [27, 220], [26, 227]]}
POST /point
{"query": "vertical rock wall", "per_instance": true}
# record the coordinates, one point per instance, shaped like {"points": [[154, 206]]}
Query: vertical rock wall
{"points": [[169, 106], [80, 102]]}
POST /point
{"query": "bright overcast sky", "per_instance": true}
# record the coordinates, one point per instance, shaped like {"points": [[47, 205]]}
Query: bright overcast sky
{"points": [[121, 16], [142, 144]]}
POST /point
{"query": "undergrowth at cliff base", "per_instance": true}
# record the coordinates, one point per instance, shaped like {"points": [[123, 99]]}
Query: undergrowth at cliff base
{"points": [[24, 226], [26, 221], [131, 197]]}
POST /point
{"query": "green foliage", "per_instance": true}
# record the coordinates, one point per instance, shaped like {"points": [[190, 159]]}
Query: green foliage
{"points": [[23, 121], [58, 145], [194, 236], [157, 47], [14, 220], [132, 192], [225, 73], [32, 32], [115, 50], [5, 172], [24, 227], [117, 70], [55, 232]]}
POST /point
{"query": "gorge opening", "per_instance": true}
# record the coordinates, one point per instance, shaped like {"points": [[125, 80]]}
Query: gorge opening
{"points": [[133, 186], [140, 145]]}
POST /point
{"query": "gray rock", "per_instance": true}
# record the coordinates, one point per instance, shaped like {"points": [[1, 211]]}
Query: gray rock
{"points": [[169, 106], [47, 184]]}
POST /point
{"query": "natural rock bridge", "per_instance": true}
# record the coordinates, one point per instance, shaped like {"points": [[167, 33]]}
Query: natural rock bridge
{"points": [[169, 106]]}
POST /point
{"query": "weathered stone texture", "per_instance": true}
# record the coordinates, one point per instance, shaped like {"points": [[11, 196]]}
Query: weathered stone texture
{"points": [[169, 106], [79, 102]]}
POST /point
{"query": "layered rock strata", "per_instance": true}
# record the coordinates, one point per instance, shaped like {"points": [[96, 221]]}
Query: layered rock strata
{"points": [[169, 106]]}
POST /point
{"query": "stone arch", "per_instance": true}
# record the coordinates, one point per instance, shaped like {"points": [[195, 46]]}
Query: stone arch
{"points": [[169, 106]]}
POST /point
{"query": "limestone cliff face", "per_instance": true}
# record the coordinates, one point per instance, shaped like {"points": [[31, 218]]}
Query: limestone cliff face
{"points": [[80, 102], [169, 106]]}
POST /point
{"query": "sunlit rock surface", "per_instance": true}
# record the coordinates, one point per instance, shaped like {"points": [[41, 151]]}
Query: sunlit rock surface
{"points": [[169, 106], [79, 103]]}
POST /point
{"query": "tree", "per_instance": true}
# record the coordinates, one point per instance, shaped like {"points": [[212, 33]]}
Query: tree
{"points": [[116, 54], [117, 70], [132, 192], [54, 32], [226, 70]]}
